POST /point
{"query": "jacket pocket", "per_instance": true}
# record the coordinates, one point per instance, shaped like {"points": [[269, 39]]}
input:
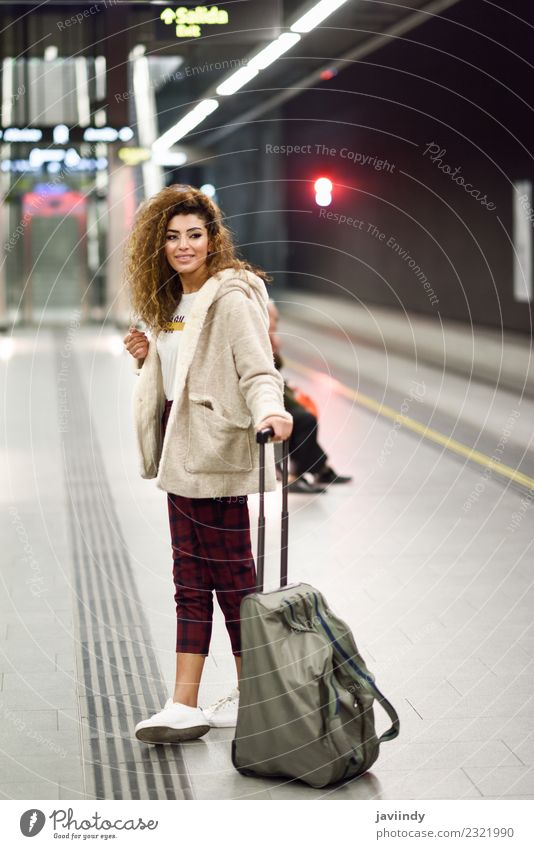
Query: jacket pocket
{"points": [[216, 443]]}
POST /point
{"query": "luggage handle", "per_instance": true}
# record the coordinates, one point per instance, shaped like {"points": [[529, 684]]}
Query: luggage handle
{"points": [[263, 436]]}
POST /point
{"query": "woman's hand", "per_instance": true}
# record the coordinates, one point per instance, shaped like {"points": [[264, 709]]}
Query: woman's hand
{"points": [[136, 343], [282, 427]]}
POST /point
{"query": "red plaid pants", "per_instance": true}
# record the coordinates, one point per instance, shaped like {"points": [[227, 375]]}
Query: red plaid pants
{"points": [[211, 552]]}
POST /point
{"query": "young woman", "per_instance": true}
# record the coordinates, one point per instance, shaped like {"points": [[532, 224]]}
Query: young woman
{"points": [[207, 384]]}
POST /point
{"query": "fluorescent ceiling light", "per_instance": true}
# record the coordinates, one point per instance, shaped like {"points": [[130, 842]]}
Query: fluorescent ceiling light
{"points": [[8, 66], [145, 110], [82, 91], [125, 133], [71, 158], [208, 189], [100, 134], [137, 51], [186, 124], [258, 62], [100, 77], [22, 134], [60, 134], [316, 15], [168, 159], [237, 80], [38, 156], [272, 52], [99, 118]]}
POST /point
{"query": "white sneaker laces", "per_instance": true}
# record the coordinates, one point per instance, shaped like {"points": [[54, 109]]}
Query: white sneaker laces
{"points": [[231, 697]]}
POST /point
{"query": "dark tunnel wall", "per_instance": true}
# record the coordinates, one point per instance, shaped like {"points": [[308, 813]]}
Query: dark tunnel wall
{"points": [[417, 240], [251, 193]]}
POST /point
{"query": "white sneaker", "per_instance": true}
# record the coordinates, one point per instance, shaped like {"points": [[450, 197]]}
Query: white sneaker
{"points": [[175, 723], [223, 714]]}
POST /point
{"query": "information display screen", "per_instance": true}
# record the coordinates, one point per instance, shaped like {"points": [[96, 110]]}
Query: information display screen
{"points": [[241, 20]]}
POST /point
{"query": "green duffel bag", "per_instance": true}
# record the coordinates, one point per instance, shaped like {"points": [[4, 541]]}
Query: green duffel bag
{"points": [[306, 695]]}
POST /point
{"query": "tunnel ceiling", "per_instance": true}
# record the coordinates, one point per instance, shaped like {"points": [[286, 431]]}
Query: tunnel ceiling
{"points": [[75, 29]]}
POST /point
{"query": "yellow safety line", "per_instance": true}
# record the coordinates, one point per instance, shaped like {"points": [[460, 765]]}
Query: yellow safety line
{"points": [[426, 432]]}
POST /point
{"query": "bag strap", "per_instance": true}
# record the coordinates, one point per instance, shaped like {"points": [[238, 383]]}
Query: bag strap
{"points": [[358, 675], [386, 705], [392, 732]]}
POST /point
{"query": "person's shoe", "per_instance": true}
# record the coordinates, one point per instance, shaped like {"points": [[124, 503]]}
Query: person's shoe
{"points": [[223, 714], [303, 486], [328, 476], [174, 724]]}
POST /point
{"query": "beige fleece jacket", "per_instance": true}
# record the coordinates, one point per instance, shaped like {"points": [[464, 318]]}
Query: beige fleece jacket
{"points": [[225, 385]]}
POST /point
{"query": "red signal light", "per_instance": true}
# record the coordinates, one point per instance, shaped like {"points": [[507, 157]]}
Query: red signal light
{"points": [[323, 191]]}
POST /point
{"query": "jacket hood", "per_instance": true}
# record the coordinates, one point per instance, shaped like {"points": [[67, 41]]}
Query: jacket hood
{"points": [[232, 279]]}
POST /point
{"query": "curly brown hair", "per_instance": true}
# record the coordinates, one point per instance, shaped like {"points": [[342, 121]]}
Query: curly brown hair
{"points": [[154, 287]]}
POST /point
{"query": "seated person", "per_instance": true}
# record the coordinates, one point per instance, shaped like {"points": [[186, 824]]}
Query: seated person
{"points": [[305, 453]]}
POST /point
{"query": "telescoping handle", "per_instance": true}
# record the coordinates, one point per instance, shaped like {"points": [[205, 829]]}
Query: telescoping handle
{"points": [[262, 437]]}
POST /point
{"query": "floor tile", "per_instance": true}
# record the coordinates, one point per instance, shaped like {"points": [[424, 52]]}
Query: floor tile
{"points": [[36, 767], [451, 783], [443, 755], [510, 780], [29, 790]]}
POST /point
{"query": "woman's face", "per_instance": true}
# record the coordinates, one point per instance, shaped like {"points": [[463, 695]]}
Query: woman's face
{"points": [[186, 243]]}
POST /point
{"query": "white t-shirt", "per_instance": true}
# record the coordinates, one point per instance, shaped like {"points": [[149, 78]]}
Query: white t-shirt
{"points": [[168, 342]]}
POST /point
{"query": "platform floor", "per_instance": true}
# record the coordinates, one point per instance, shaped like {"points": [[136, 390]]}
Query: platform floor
{"points": [[427, 554]]}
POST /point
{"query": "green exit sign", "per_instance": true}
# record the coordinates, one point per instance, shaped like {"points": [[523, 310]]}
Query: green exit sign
{"points": [[188, 23]]}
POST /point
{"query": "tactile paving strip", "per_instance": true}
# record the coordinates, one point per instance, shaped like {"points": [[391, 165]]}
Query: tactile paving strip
{"points": [[118, 676]]}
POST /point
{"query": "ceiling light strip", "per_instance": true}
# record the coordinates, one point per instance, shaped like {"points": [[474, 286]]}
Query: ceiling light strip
{"points": [[191, 120], [316, 15]]}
